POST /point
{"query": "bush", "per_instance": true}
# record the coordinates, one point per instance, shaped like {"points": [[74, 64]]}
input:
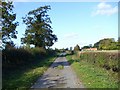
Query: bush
{"points": [[107, 60], [38, 52], [13, 57]]}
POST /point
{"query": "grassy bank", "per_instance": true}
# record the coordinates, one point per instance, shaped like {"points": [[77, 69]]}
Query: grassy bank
{"points": [[107, 60], [22, 74], [92, 75], [25, 77]]}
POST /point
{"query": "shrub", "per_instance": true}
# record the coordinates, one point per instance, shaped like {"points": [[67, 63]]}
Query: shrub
{"points": [[107, 60], [13, 57]]}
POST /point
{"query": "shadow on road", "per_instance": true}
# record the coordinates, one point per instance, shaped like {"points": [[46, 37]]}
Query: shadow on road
{"points": [[50, 82], [63, 63], [58, 78]]}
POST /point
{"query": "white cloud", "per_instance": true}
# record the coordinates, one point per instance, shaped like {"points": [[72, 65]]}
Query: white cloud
{"points": [[105, 9], [71, 35], [103, 5]]}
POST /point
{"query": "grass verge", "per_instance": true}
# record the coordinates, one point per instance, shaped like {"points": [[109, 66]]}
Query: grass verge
{"points": [[26, 75], [92, 76]]}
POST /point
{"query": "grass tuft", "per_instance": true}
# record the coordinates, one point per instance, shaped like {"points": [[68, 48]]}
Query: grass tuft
{"points": [[60, 67]]}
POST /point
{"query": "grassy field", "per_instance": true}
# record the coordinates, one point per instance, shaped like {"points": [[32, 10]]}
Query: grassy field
{"points": [[26, 75], [92, 75]]}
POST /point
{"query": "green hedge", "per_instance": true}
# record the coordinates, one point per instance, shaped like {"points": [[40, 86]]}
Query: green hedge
{"points": [[16, 57], [107, 60], [21, 67]]}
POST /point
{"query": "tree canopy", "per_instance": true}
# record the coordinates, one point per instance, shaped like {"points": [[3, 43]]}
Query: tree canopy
{"points": [[106, 44], [39, 31], [8, 23], [85, 47]]}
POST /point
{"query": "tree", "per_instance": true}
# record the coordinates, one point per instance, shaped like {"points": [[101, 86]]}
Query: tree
{"points": [[8, 24], [39, 32], [85, 47], [66, 49], [77, 48], [106, 44]]}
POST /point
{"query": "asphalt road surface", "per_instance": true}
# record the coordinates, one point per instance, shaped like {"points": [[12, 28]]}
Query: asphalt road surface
{"points": [[56, 77]]}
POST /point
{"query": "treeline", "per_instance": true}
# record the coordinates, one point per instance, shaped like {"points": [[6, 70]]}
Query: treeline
{"points": [[105, 44]]}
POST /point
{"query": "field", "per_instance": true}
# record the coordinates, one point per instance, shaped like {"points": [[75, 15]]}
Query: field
{"points": [[96, 69]]}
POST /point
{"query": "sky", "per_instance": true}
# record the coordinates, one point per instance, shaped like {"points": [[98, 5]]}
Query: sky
{"points": [[81, 23]]}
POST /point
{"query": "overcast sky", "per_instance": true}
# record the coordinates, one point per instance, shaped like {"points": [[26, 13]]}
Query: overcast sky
{"points": [[81, 23]]}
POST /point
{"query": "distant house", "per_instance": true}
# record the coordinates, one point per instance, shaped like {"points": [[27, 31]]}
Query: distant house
{"points": [[90, 49]]}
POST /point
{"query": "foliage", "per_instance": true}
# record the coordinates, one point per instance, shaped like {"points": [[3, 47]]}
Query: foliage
{"points": [[107, 60], [60, 67], [77, 48], [14, 58], [89, 68], [107, 44], [93, 77], [57, 50], [22, 66], [8, 24], [23, 77], [39, 32], [85, 47]]}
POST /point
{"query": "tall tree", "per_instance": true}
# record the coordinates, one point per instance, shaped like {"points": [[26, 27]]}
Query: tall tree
{"points": [[39, 31], [8, 23]]}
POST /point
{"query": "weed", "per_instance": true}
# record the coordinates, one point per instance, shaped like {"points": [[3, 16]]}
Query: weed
{"points": [[60, 67]]}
